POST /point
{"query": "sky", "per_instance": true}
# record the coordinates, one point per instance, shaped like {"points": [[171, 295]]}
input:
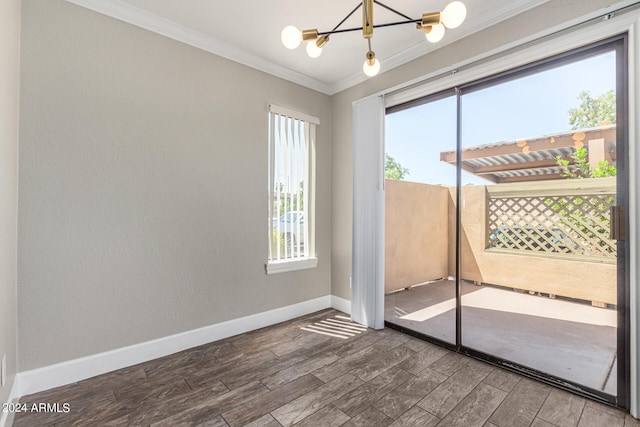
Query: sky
{"points": [[531, 106]]}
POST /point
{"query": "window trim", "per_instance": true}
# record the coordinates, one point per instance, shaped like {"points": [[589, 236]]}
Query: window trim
{"points": [[275, 266]]}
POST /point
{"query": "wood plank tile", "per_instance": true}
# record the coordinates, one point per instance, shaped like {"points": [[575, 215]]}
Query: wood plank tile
{"points": [[354, 360], [380, 362], [329, 416], [221, 350], [204, 378], [357, 400], [480, 366], [541, 423], [79, 397], [450, 363], [403, 397], [312, 382], [102, 415], [418, 345], [291, 373], [267, 402], [562, 409], [629, 421], [228, 353], [416, 416], [451, 392], [215, 422], [369, 417], [304, 341], [521, 406], [504, 380], [592, 417], [179, 365], [237, 374], [616, 412], [306, 405], [264, 421], [196, 409], [423, 359], [476, 408], [156, 389], [262, 339], [116, 378]]}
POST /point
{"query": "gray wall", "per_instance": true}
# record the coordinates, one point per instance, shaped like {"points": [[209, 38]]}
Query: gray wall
{"points": [[143, 192], [548, 15], [9, 97]]}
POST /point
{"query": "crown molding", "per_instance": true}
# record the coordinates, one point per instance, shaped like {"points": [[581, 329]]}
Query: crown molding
{"points": [[125, 12], [472, 25]]}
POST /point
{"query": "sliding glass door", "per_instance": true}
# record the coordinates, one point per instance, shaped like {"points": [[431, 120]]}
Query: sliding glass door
{"points": [[532, 243], [420, 283]]}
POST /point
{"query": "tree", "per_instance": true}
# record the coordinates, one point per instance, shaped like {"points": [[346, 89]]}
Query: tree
{"points": [[393, 169], [583, 167], [592, 111]]}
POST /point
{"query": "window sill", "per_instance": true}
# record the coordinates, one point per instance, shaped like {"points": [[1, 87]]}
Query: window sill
{"points": [[275, 267]]}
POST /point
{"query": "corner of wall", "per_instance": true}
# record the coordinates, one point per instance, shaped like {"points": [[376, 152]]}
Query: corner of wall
{"points": [[6, 418], [9, 125]]}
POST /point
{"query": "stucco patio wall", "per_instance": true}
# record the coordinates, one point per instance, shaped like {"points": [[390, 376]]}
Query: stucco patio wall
{"points": [[420, 239]]}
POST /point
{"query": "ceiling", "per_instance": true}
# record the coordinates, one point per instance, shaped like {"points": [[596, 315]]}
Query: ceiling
{"points": [[249, 32]]}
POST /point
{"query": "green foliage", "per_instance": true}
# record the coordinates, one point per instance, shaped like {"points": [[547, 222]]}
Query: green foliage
{"points": [[592, 111], [583, 167], [393, 169], [573, 219]]}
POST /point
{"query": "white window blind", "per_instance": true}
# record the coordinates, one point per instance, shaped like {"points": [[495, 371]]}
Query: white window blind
{"points": [[291, 190]]}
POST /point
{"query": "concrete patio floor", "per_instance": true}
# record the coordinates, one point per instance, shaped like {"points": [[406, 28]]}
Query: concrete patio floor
{"points": [[569, 340]]}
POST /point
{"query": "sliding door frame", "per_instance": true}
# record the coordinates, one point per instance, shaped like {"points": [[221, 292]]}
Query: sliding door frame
{"points": [[619, 44]]}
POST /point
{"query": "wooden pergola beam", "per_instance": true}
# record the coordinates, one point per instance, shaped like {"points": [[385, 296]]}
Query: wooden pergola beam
{"points": [[576, 140], [526, 178], [482, 170]]}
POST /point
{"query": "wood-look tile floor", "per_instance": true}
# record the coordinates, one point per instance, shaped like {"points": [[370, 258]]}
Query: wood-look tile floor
{"points": [[300, 373]]}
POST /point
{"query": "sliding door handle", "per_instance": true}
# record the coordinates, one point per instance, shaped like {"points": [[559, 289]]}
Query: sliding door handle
{"points": [[617, 227]]}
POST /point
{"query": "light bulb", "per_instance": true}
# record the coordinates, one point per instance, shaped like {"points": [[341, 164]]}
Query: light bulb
{"points": [[454, 14], [371, 70], [436, 33], [313, 50], [291, 37]]}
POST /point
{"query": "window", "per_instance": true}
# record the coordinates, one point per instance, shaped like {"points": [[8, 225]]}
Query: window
{"points": [[291, 235]]}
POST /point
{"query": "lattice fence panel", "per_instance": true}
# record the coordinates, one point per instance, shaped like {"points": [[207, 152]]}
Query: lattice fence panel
{"points": [[575, 224]]}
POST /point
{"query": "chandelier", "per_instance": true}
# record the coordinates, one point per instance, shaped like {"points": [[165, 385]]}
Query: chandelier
{"points": [[432, 24]]}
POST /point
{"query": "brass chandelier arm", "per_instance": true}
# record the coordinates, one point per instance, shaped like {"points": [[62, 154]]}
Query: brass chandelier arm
{"points": [[432, 24], [390, 24], [335, 30]]}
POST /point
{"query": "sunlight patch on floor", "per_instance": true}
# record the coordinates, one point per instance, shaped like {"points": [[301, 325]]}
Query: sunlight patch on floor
{"points": [[338, 326], [431, 311], [512, 302]]}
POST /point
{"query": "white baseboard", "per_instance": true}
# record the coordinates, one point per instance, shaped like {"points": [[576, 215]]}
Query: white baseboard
{"points": [[71, 371], [6, 418], [341, 304]]}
